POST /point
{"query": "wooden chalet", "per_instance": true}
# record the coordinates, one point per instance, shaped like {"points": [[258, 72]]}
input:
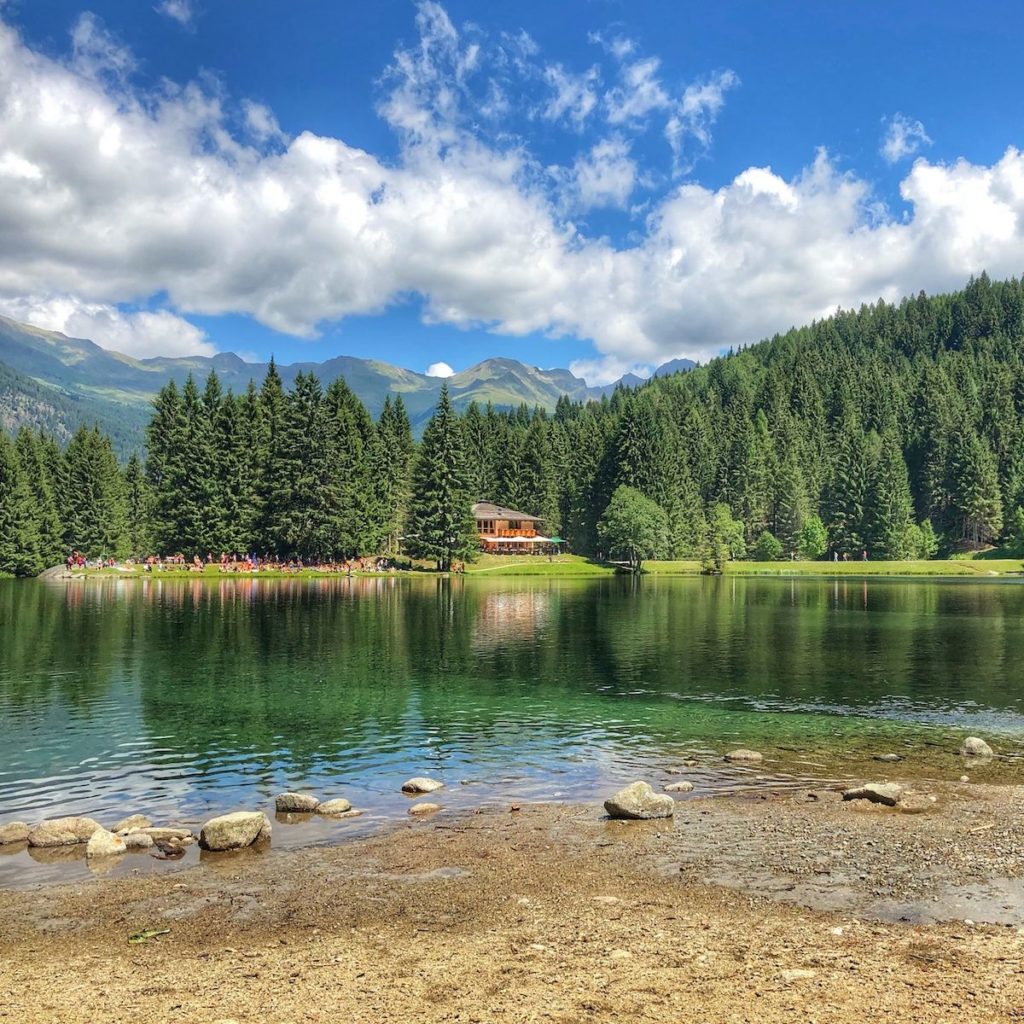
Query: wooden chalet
{"points": [[504, 531]]}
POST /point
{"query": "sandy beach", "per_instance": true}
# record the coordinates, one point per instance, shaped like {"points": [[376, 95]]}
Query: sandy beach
{"points": [[779, 906]]}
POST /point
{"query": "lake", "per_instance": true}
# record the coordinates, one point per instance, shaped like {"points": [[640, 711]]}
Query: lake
{"points": [[182, 699]]}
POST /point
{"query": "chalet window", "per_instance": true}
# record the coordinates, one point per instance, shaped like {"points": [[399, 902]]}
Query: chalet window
{"points": [[513, 524]]}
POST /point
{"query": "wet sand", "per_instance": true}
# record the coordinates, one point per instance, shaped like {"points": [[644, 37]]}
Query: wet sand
{"points": [[778, 906]]}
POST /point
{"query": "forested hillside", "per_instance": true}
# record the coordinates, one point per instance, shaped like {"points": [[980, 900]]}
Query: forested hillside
{"points": [[894, 430]]}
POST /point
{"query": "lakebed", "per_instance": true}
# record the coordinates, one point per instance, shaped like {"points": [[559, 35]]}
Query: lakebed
{"points": [[776, 906]]}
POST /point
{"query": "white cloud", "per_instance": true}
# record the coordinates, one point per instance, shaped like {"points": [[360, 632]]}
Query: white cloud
{"points": [[180, 10], [112, 196], [574, 96], [696, 112], [903, 137], [638, 93], [606, 176], [439, 370], [261, 122], [141, 334]]}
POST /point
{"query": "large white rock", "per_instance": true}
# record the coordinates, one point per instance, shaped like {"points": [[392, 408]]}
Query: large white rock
{"points": [[138, 841], [63, 832], [421, 785], [13, 832], [104, 844], [234, 831], [975, 747], [296, 803], [640, 801]]}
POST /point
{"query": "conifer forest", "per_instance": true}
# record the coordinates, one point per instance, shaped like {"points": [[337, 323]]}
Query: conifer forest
{"points": [[895, 430]]}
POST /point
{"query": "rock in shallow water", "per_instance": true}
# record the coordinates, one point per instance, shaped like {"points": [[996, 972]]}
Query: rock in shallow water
{"points": [[679, 787], [133, 821], [421, 785], [13, 832], [975, 747], [235, 831], [639, 801], [104, 844], [138, 841], [334, 808], [296, 803], [744, 755], [888, 758], [63, 832], [424, 808], [887, 793]]}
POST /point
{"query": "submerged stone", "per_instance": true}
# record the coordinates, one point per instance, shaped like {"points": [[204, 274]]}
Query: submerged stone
{"points": [[744, 755], [679, 787], [639, 801], [424, 808]]}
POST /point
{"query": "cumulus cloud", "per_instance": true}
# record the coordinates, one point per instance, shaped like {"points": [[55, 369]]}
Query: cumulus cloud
{"points": [[180, 11], [439, 370], [111, 196], [903, 137], [141, 334]]}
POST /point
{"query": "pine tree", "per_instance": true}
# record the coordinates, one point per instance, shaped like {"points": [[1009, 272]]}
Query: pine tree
{"points": [[137, 509], [791, 505], [848, 492], [94, 514], [34, 465], [441, 524], [19, 532], [890, 510], [166, 471]]}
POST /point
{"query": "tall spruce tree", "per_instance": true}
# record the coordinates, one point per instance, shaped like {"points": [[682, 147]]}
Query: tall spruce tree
{"points": [[19, 526], [440, 525]]}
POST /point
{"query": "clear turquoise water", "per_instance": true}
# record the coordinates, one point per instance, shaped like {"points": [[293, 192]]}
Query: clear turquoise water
{"points": [[186, 698]]}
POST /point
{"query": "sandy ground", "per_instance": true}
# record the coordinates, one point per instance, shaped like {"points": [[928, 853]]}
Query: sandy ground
{"points": [[784, 907]]}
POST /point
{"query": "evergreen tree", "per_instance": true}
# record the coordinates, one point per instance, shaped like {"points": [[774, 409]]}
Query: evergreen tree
{"points": [[137, 506], [32, 457], [441, 525], [890, 510], [19, 525]]}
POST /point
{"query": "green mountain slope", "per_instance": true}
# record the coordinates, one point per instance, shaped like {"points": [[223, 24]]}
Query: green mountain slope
{"points": [[49, 380]]}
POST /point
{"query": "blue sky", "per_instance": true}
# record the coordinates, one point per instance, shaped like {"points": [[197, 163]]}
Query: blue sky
{"points": [[590, 183]]}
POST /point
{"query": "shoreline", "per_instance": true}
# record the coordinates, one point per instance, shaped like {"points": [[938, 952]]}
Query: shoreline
{"points": [[772, 907], [570, 567]]}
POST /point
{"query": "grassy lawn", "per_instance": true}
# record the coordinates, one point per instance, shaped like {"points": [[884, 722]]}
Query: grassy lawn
{"points": [[935, 567], [537, 565]]}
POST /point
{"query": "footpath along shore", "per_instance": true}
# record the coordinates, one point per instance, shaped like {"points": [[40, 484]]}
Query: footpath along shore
{"points": [[781, 906]]}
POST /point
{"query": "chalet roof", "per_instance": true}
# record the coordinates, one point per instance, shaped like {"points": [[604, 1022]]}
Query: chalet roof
{"points": [[488, 510]]}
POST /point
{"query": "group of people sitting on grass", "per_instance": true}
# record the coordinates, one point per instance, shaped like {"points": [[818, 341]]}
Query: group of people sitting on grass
{"points": [[252, 562]]}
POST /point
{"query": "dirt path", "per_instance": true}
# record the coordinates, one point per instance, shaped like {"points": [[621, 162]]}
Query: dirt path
{"points": [[549, 914]]}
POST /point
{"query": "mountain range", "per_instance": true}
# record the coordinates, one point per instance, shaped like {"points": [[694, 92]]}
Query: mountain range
{"points": [[57, 383]]}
